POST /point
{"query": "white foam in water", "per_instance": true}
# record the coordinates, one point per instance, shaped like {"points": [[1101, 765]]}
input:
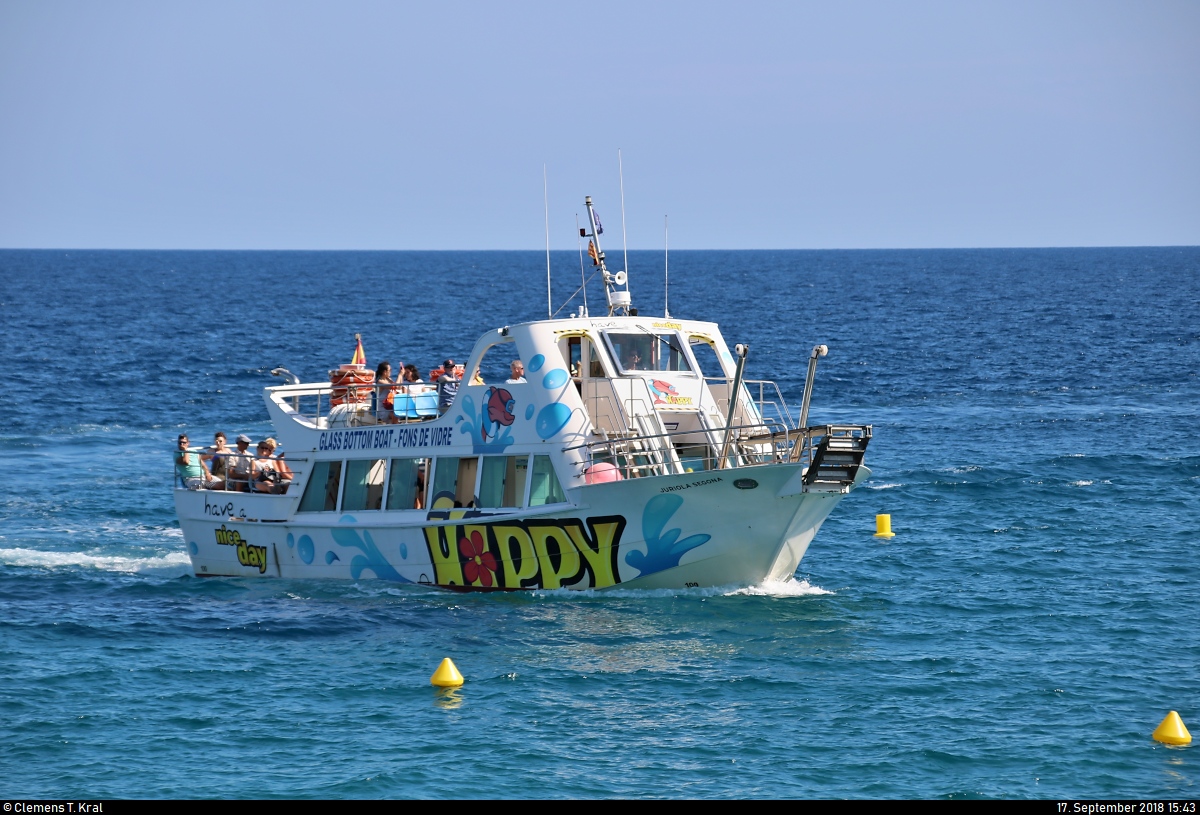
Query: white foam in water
{"points": [[782, 588], [175, 564], [882, 486]]}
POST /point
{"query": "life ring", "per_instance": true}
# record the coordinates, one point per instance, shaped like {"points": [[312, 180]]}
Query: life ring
{"points": [[350, 387]]}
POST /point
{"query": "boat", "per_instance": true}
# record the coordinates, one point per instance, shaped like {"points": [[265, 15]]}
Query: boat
{"points": [[633, 453]]}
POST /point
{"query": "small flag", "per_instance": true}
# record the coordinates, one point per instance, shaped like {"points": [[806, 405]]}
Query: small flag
{"points": [[599, 227], [360, 357], [592, 254]]}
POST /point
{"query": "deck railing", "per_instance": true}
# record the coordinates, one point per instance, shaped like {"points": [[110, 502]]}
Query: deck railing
{"points": [[312, 404]]}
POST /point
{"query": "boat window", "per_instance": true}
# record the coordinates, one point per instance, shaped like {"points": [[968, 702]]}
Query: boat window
{"points": [[595, 366], [456, 477], [406, 485], [545, 487], [322, 491], [502, 481], [643, 351], [364, 485], [706, 357], [574, 356], [495, 364]]}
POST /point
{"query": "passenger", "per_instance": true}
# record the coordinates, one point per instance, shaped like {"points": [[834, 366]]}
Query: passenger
{"points": [[218, 454], [633, 360], [271, 473], [411, 376], [383, 396], [237, 471], [518, 373], [191, 469], [447, 386], [477, 378]]}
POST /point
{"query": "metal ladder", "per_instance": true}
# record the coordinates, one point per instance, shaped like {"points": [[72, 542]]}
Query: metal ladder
{"points": [[836, 459]]}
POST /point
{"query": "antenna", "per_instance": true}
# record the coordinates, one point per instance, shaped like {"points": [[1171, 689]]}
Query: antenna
{"points": [[616, 299], [666, 269], [546, 201], [624, 242], [582, 279]]}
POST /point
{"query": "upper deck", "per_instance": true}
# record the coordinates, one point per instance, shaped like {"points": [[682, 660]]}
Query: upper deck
{"points": [[638, 395]]}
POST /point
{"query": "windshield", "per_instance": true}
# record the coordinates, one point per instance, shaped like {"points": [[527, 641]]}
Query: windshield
{"points": [[644, 351]]}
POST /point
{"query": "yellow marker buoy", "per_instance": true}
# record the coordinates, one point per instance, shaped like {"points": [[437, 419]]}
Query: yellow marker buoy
{"points": [[883, 526], [446, 675], [1172, 731]]}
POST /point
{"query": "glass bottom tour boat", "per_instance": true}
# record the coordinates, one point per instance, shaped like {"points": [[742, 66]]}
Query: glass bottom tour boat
{"points": [[615, 461]]}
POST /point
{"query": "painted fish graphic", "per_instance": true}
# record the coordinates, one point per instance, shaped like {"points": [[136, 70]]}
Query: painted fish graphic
{"points": [[498, 406]]}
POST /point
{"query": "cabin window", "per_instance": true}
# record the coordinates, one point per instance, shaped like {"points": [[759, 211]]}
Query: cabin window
{"points": [[364, 485], [643, 351], [406, 485], [502, 481], [575, 356], [322, 491], [595, 366], [706, 357], [456, 477], [495, 363], [545, 487]]}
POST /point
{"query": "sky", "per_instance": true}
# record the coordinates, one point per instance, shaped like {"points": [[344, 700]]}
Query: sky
{"points": [[405, 125]]}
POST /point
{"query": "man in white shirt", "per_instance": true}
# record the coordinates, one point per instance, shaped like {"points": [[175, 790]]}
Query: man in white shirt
{"points": [[518, 373]]}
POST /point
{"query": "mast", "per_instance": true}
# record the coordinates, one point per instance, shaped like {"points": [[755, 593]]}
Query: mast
{"points": [[616, 286]]}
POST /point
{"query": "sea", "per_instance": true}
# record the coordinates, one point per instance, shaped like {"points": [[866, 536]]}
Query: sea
{"points": [[1035, 617]]}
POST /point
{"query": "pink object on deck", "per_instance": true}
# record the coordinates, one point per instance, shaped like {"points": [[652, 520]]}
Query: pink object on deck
{"points": [[602, 473]]}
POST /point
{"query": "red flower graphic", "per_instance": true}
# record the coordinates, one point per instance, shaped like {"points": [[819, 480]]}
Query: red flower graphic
{"points": [[481, 564]]}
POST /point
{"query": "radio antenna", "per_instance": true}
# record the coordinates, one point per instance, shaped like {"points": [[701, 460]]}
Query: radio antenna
{"points": [[666, 269], [546, 201], [624, 242], [582, 279]]}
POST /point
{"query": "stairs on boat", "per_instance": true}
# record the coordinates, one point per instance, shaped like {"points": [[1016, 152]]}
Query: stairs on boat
{"points": [[836, 459]]}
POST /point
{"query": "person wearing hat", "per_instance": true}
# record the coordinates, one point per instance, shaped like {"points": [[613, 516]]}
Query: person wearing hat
{"points": [[240, 463], [447, 385]]}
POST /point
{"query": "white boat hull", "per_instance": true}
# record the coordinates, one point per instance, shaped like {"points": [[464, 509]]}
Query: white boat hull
{"points": [[693, 530]]}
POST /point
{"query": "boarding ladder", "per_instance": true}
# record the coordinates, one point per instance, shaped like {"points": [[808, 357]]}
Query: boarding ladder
{"points": [[836, 458]]}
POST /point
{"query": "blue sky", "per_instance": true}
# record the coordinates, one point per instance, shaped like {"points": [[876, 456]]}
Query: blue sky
{"points": [[352, 125]]}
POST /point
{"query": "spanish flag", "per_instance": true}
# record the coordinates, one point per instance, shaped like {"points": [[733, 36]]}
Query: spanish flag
{"points": [[592, 254], [360, 357]]}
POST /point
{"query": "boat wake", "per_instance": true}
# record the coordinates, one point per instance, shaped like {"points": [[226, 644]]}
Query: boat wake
{"points": [[176, 564], [781, 588]]}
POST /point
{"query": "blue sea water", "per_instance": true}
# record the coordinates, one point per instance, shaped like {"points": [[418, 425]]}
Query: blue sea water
{"points": [[1035, 617]]}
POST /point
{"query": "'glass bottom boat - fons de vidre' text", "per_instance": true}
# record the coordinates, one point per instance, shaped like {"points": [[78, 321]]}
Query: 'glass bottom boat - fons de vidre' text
{"points": [[614, 461]]}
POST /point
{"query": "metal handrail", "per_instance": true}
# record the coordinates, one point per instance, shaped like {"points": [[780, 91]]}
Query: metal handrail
{"points": [[623, 446], [781, 407]]}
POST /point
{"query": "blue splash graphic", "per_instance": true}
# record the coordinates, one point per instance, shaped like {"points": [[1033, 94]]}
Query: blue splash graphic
{"points": [[404, 551], [291, 541], [305, 548], [551, 419], [330, 557], [193, 548], [528, 412], [371, 558], [663, 547], [555, 379], [536, 363], [477, 430]]}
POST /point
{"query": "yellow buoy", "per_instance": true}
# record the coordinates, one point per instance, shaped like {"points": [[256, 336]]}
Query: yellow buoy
{"points": [[883, 526], [446, 675], [1172, 731]]}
